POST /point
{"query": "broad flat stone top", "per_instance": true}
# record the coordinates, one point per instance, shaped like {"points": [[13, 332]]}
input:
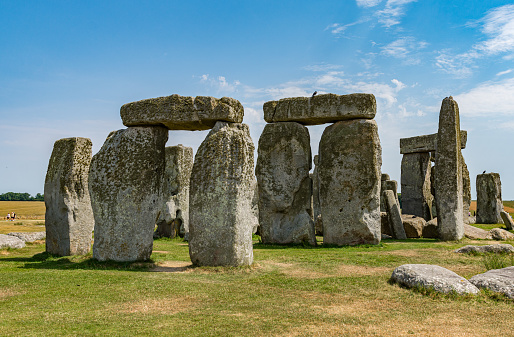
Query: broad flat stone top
{"points": [[426, 143], [182, 112], [320, 109], [498, 280]]}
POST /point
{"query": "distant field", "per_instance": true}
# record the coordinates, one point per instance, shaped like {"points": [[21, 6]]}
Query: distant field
{"points": [[508, 206], [34, 210]]}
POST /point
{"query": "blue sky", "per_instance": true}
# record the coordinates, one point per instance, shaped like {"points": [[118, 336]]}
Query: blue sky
{"points": [[66, 67]]}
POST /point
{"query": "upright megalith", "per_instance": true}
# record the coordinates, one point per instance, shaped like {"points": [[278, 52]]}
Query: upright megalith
{"points": [[285, 188], [394, 216], [318, 220], [386, 184], [415, 184], [174, 217], [125, 184], [466, 191], [220, 198], [489, 198], [448, 179], [69, 218], [350, 159]]}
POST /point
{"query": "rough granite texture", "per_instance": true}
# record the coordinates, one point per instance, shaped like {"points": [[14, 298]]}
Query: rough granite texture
{"points": [[174, 217], [501, 234], [489, 198], [507, 220], [430, 229], [30, 236], [285, 188], [431, 276], [474, 233], [448, 178], [497, 280], [69, 217], [384, 224], [386, 185], [394, 215], [498, 248], [466, 191], [9, 241], [413, 225], [415, 184], [125, 183], [350, 159], [220, 198], [321, 109], [426, 143], [182, 112]]}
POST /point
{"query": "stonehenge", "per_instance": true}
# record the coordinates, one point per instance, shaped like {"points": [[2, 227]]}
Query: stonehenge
{"points": [[489, 198]]}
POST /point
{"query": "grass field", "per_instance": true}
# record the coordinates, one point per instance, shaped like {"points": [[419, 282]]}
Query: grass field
{"points": [[34, 210]]}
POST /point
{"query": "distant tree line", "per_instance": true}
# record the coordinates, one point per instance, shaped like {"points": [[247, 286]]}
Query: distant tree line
{"points": [[12, 196]]}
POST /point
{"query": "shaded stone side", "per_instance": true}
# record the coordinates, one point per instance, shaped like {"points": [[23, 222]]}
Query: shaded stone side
{"points": [[415, 184], [125, 184], [320, 109], [426, 143], [466, 191], [316, 210], [448, 179], [394, 216], [174, 217], [489, 198], [350, 158], [388, 185], [69, 217], [220, 198], [285, 188]]}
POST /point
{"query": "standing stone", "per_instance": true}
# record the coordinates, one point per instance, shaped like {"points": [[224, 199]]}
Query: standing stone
{"points": [[220, 198], [388, 185], [415, 184], [383, 178], [174, 217], [285, 187], [394, 215], [350, 158], [125, 184], [69, 218], [489, 198], [507, 220], [255, 208], [448, 179], [318, 221], [466, 191]]}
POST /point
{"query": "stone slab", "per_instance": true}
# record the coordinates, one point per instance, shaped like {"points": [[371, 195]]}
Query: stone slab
{"points": [[501, 234], [426, 143], [497, 280], [413, 225], [489, 198], [415, 182], [498, 248], [394, 215], [30, 236], [9, 241], [507, 220], [474, 233]]}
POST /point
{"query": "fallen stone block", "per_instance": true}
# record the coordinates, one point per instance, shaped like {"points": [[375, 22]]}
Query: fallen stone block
{"points": [[413, 225], [29, 237], [497, 280], [430, 229], [474, 233], [507, 220], [499, 248], [501, 234], [8, 241]]}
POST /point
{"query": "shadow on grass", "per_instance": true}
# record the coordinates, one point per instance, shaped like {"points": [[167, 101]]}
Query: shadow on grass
{"points": [[260, 245]]}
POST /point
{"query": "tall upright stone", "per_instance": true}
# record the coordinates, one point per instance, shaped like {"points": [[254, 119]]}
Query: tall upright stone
{"points": [[466, 191], [489, 198], [316, 210], [69, 218], [448, 179], [350, 158], [220, 198], [393, 215], [415, 184], [285, 188], [125, 184], [174, 217]]}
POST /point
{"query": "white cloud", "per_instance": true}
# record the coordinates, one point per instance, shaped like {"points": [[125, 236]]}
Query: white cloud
{"points": [[368, 3], [338, 29], [393, 11], [404, 48], [323, 67], [498, 25], [220, 83], [501, 73], [459, 66], [488, 99]]}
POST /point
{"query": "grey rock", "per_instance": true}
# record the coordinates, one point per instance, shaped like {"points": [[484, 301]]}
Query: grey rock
{"points": [[9, 241], [497, 280], [489, 198], [384, 177], [350, 158], [386, 185], [174, 217], [220, 198], [415, 184], [394, 215], [466, 191], [413, 225], [69, 217], [386, 237], [177, 112], [285, 188], [448, 179], [384, 224], [426, 143], [125, 184], [507, 220], [318, 220], [30, 236], [430, 229], [499, 248], [501, 234], [431, 276], [255, 208], [320, 109], [474, 233]]}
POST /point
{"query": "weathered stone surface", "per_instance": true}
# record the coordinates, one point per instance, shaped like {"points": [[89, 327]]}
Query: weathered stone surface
{"points": [[466, 191], [174, 217], [285, 188], [255, 208], [318, 220], [431, 276], [415, 183], [426, 143], [501, 234], [474, 233], [69, 217], [321, 109], [413, 225], [220, 198], [507, 220], [387, 184], [182, 112], [384, 224], [448, 179], [430, 230], [125, 184], [350, 158], [394, 215], [8, 241], [489, 198], [498, 248], [497, 280], [30, 236]]}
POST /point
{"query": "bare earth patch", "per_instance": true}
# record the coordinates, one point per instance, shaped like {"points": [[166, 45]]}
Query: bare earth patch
{"points": [[6, 293], [172, 267], [293, 270], [167, 306], [352, 270]]}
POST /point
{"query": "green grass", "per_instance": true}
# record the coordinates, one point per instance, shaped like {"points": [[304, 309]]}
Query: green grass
{"points": [[288, 291]]}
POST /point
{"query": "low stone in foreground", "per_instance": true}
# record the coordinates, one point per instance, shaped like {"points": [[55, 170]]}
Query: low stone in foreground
{"points": [[497, 280], [472, 232], [431, 276], [499, 248], [8, 241], [501, 234], [29, 237]]}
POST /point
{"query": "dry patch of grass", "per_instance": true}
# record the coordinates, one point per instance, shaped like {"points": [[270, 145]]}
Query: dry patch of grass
{"points": [[292, 270], [354, 270], [6, 293], [21, 226], [166, 306], [23, 209], [172, 267]]}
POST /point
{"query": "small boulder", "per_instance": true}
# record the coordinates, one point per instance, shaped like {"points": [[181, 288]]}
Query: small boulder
{"points": [[413, 225], [507, 220], [431, 276], [29, 237], [430, 229], [497, 280], [8, 241], [474, 233], [499, 248], [501, 234]]}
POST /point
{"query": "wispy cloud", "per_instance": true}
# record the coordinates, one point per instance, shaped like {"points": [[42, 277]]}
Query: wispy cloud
{"points": [[404, 48], [368, 3], [220, 83], [501, 73], [323, 67], [392, 12], [339, 29], [488, 98], [459, 66]]}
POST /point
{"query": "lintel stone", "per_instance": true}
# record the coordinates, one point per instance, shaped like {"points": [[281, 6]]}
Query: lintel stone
{"points": [[426, 143]]}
